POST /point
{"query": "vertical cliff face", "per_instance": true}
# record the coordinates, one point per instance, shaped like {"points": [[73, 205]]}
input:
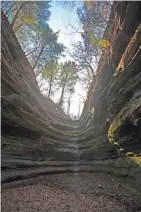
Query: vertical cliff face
{"points": [[31, 123], [116, 94], [34, 128]]}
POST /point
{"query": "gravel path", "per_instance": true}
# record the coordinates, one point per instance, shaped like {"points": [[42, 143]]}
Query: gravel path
{"points": [[88, 192]]}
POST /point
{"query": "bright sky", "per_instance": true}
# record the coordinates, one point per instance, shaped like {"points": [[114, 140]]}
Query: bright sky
{"points": [[60, 18]]}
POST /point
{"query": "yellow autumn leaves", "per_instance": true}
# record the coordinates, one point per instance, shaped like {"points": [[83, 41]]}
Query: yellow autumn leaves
{"points": [[24, 14], [94, 41], [51, 69], [89, 4], [28, 19]]}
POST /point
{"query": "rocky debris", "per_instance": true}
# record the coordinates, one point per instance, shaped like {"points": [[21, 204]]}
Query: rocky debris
{"points": [[100, 186], [70, 192]]}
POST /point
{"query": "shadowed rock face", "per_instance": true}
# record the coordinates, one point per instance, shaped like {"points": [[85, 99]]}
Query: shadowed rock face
{"points": [[34, 128], [117, 95]]}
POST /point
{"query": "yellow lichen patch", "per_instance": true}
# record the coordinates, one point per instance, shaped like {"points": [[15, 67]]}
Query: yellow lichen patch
{"points": [[135, 155], [137, 160], [120, 67], [113, 127], [130, 154], [116, 144]]}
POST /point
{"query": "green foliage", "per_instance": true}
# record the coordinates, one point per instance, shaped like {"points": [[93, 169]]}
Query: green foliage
{"points": [[69, 5], [94, 41], [50, 76], [28, 13], [68, 78], [29, 20], [68, 75], [61, 78], [93, 17], [51, 69]]}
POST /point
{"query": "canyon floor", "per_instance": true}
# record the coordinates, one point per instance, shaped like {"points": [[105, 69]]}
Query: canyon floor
{"points": [[73, 192]]}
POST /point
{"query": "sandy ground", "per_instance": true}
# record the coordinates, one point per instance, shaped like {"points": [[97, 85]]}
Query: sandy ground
{"points": [[78, 192]]}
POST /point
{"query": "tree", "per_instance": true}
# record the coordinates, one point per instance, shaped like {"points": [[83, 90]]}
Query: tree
{"points": [[29, 20], [68, 79], [69, 5], [85, 59], [40, 46], [50, 74], [71, 92], [27, 13], [49, 49], [86, 63], [94, 17], [7, 6]]}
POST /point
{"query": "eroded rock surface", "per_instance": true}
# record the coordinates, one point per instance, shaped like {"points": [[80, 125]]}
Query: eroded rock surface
{"points": [[116, 97], [34, 128], [39, 140]]}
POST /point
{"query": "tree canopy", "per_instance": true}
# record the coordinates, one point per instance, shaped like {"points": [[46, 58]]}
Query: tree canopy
{"points": [[30, 22]]}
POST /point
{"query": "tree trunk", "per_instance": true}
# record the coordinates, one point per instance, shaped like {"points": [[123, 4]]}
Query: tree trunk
{"points": [[62, 94], [6, 13], [15, 30], [50, 87], [32, 51], [40, 86], [17, 13], [79, 110], [68, 109], [42, 49]]}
